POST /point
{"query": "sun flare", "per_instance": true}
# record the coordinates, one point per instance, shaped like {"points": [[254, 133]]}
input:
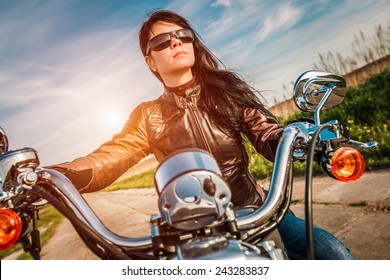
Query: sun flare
{"points": [[113, 120]]}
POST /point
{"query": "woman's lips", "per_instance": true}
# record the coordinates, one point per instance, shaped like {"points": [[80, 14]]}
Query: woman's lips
{"points": [[179, 53]]}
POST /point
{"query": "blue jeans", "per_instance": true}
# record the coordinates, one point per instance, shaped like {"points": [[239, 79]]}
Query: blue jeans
{"points": [[326, 245]]}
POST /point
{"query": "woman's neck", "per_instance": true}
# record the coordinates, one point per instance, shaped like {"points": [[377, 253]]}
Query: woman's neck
{"points": [[177, 80], [180, 90]]}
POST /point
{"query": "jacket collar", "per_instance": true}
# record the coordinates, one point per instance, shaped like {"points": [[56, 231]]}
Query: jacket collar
{"points": [[191, 93]]}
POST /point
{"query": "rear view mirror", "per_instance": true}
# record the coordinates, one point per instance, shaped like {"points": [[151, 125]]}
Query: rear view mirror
{"points": [[318, 89]]}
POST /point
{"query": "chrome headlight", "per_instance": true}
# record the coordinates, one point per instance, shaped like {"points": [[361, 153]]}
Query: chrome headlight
{"points": [[192, 192]]}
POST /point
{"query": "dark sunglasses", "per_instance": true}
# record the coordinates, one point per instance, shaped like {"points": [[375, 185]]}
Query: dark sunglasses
{"points": [[163, 40]]}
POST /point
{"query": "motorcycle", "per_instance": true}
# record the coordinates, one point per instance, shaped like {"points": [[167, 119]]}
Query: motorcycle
{"points": [[197, 219]]}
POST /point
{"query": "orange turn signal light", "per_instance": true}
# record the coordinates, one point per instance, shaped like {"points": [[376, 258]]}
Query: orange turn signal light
{"points": [[347, 164], [10, 228]]}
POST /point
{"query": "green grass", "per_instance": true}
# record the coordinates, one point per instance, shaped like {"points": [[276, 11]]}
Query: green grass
{"points": [[359, 204], [296, 201], [142, 180], [49, 219]]}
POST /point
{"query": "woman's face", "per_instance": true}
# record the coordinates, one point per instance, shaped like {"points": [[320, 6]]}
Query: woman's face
{"points": [[174, 62]]}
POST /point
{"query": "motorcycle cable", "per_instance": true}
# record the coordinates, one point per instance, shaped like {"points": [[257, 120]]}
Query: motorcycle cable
{"points": [[308, 192], [110, 251]]}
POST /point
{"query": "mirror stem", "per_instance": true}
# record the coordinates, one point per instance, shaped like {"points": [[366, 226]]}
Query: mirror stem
{"points": [[320, 105]]}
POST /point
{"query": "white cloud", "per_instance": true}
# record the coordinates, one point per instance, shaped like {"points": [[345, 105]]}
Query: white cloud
{"points": [[285, 17], [188, 9], [218, 3], [234, 18], [243, 25]]}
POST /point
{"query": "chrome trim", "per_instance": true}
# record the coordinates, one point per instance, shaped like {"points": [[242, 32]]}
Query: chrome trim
{"points": [[218, 247], [186, 204], [273, 252], [328, 92], [184, 161], [360, 145], [311, 86], [11, 161]]}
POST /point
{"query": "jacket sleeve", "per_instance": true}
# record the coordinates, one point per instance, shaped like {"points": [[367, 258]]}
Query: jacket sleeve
{"points": [[264, 132], [103, 166]]}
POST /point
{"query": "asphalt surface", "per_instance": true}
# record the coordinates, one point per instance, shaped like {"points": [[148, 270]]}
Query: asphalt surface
{"points": [[357, 213]]}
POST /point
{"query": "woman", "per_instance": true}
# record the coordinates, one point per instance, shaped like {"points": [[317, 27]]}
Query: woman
{"points": [[203, 106]]}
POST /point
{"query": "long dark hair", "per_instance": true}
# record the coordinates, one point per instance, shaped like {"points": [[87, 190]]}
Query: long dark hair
{"points": [[224, 94]]}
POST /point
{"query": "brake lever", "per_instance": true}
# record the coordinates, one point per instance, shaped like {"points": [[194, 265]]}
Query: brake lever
{"points": [[360, 145]]}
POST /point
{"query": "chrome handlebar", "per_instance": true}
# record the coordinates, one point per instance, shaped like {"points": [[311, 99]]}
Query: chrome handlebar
{"points": [[74, 200], [277, 185], [78, 204], [274, 199], [292, 146]]}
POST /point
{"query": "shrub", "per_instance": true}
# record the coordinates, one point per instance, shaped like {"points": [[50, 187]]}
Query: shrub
{"points": [[364, 112]]}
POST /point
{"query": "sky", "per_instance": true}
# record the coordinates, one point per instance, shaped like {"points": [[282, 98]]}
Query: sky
{"points": [[71, 71]]}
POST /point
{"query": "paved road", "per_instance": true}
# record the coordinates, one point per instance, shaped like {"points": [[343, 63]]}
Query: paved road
{"points": [[365, 230]]}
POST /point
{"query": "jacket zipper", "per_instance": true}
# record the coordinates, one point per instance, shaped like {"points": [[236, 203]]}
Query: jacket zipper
{"points": [[194, 113]]}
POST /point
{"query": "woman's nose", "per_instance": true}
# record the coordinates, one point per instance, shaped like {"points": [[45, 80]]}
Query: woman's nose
{"points": [[175, 42]]}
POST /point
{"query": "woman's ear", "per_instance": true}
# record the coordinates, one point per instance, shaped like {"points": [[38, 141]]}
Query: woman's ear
{"points": [[150, 62]]}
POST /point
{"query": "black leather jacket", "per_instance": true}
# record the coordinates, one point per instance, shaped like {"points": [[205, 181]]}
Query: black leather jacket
{"points": [[170, 123]]}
